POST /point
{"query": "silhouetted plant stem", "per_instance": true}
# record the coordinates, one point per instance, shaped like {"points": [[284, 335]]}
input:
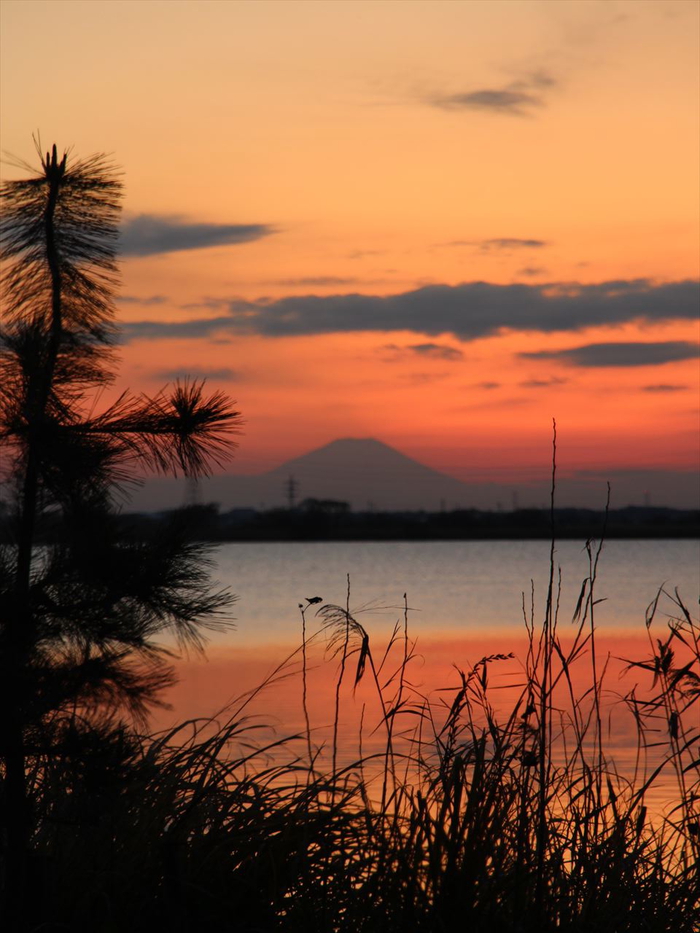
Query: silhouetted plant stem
{"points": [[598, 746], [397, 706], [545, 723], [341, 674], [304, 687]]}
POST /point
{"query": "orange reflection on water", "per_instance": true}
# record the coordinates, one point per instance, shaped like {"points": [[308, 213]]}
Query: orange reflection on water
{"points": [[265, 684]]}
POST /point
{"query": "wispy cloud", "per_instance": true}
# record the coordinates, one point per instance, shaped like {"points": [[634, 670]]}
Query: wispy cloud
{"points": [[532, 271], [209, 304], [157, 330], [316, 281], [501, 100], [621, 354], [468, 312], [664, 387], [436, 351], [509, 242], [520, 98], [418, 379], [363, 253], [142, 299], [542, 383], [503, 243], [153, 234], [195, 372]]}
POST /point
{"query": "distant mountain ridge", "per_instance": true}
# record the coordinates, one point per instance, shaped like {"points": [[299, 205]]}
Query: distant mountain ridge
{"points": [[367, 473], [364, 472], [370, 475]]}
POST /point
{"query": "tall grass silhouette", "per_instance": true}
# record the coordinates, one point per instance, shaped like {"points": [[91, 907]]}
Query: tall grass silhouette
{"points": [[465, 812]]}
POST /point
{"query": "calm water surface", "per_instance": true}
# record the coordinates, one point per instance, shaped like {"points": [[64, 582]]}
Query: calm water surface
{"points": [[455, 587]]}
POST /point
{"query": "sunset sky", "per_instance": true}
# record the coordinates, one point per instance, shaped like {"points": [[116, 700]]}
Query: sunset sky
{"points": [[439, 224]]}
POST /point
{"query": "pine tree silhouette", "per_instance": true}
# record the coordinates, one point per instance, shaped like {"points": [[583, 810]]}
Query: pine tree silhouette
{"points": [[82, 602]]}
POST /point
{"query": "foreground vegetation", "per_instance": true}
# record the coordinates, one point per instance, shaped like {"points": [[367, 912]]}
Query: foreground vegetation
{"points": [[465, 819]]}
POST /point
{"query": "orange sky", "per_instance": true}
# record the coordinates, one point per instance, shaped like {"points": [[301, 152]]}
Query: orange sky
{"points": [[317, 150]]}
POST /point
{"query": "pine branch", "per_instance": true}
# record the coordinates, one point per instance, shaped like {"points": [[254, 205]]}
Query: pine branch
{"points": [[85, 233], [183, 430]]}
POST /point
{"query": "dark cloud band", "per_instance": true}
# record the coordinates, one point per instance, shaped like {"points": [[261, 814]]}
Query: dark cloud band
{"points": [[151, 234], [467, 312], [622, 354]]}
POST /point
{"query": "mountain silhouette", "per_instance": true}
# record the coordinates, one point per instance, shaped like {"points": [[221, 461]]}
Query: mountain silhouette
{"points": [[364, 472], [368, 474]]}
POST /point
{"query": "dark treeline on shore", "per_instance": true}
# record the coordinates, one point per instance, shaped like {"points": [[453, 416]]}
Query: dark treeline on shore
{"points": [[334, 522]]}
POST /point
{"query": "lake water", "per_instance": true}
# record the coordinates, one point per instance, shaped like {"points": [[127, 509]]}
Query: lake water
{"points": [[455, 587], [465, 600]]}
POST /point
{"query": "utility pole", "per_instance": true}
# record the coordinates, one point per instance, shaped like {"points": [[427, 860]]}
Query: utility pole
{"points": [[291, 486]]}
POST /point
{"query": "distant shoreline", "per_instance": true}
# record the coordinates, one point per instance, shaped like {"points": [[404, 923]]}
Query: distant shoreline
{"points": [[332, 522]]}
